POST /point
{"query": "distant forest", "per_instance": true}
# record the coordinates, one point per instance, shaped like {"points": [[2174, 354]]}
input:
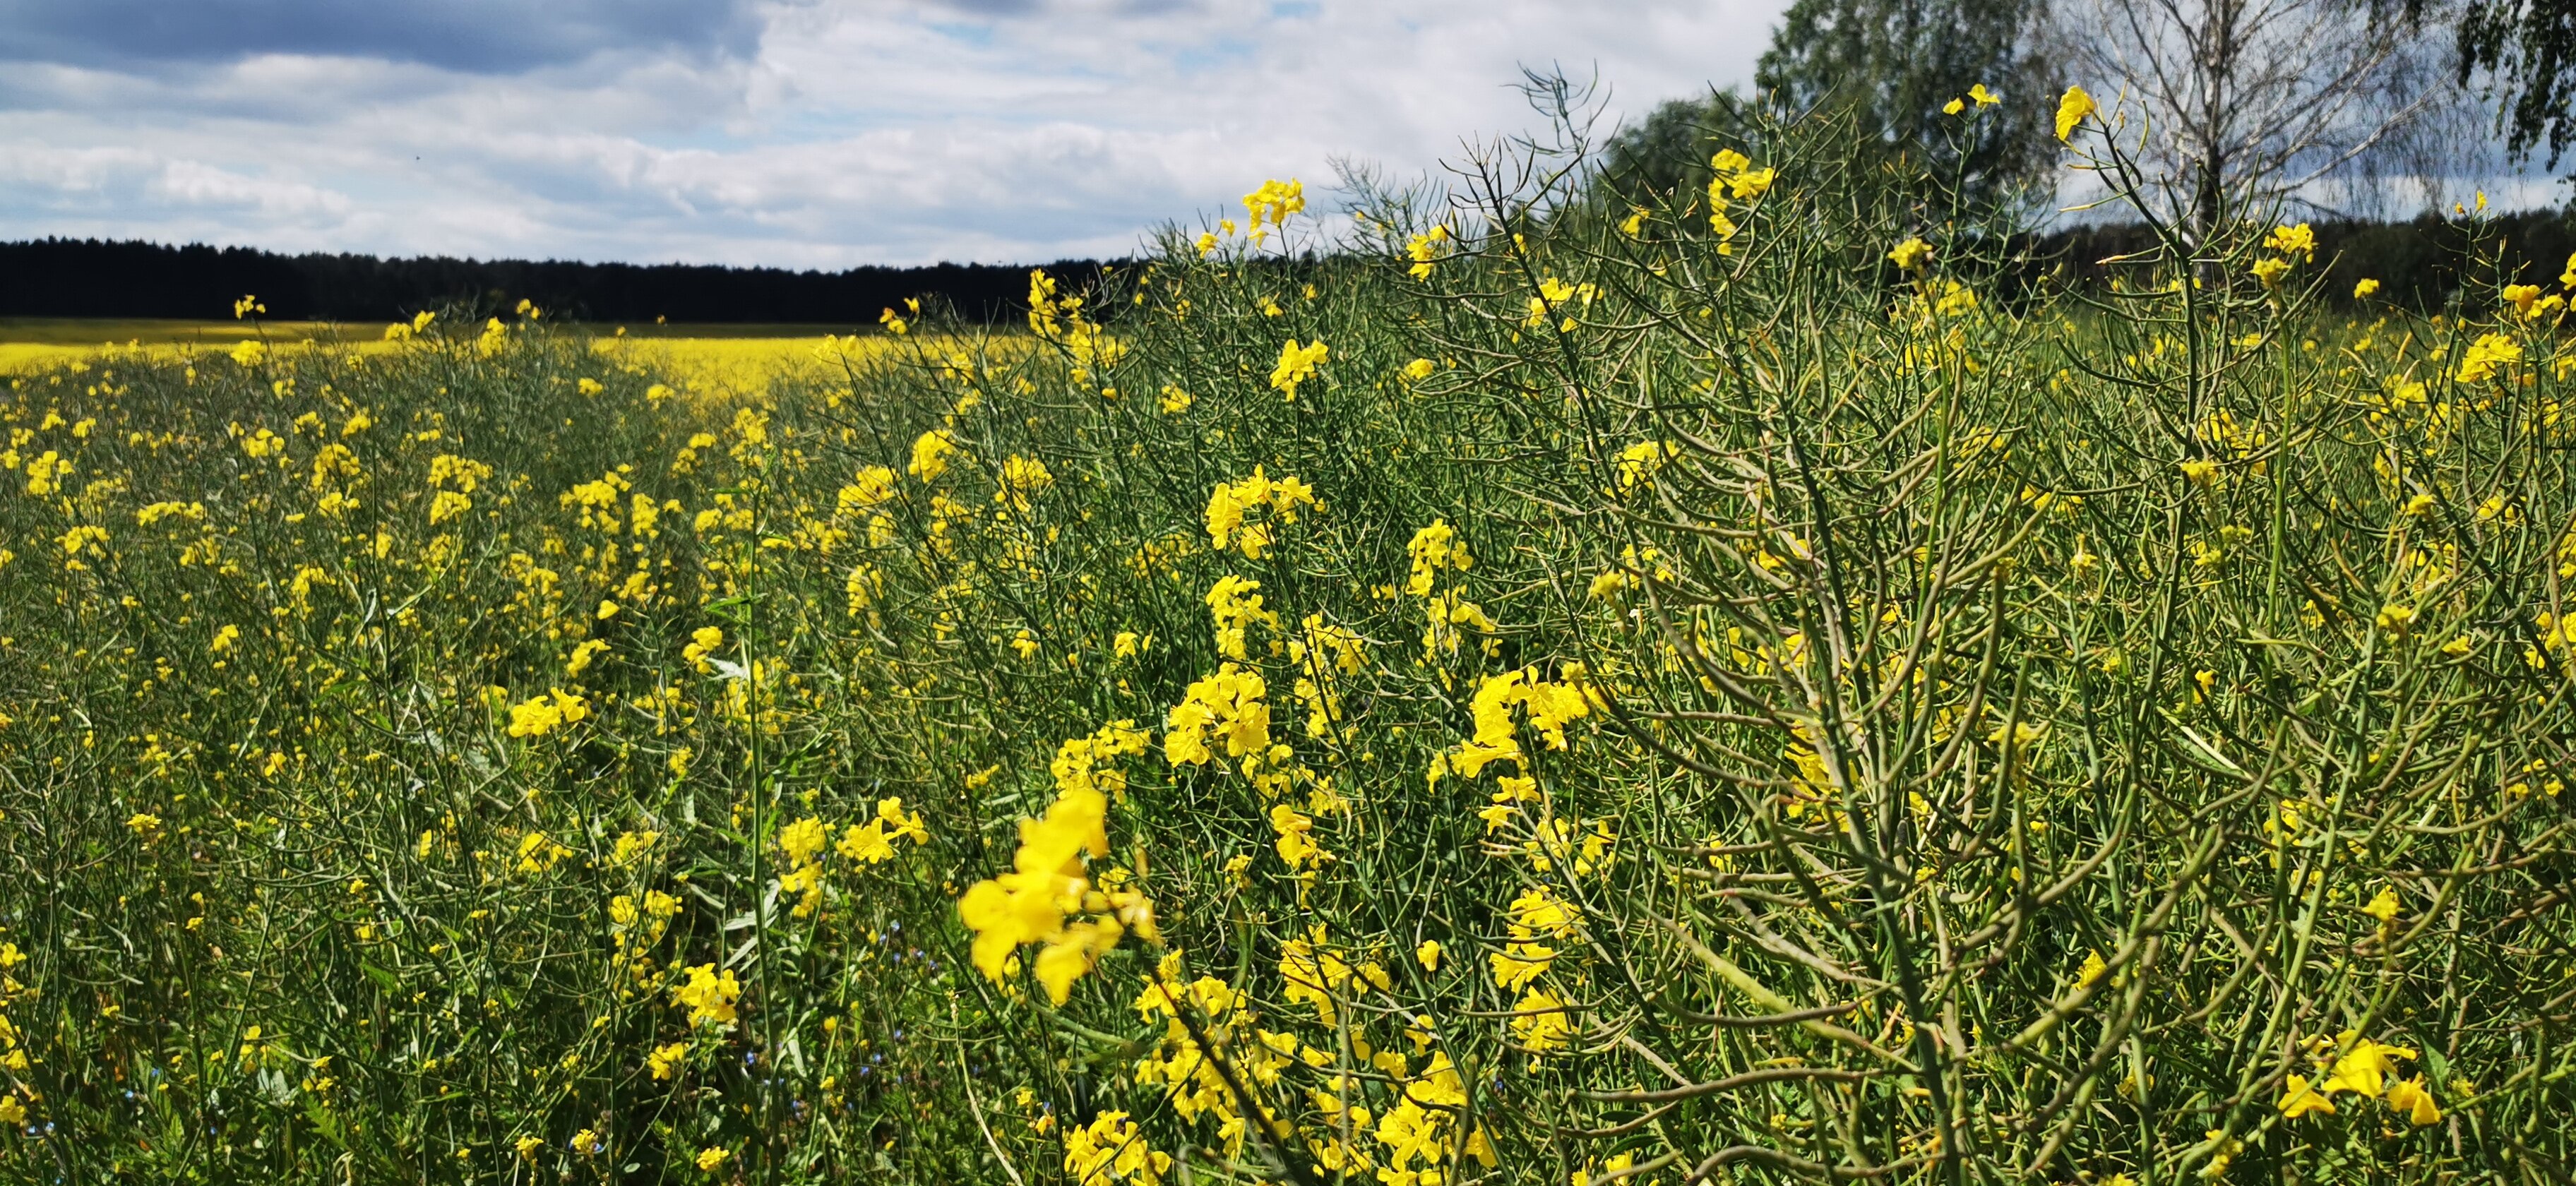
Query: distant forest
{"points": [[2420, 263], [91, 278]]}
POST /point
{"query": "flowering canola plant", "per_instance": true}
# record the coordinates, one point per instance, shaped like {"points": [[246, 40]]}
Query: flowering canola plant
{"points": [[1653, 704]]}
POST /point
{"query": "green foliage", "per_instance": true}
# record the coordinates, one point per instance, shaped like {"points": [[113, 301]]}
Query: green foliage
{"points": [[1668, 150], [2527, 51], [1894, 65], [1833, 722]]}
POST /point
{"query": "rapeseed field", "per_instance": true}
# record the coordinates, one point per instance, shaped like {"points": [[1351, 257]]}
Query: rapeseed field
{"points": [[1748, 688]]}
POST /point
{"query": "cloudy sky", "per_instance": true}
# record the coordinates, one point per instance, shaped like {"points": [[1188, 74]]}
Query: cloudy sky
{"points": [[806, 133]]}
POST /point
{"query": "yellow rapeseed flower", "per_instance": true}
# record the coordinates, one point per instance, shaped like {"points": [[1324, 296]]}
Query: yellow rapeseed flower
{"points": [[1274, 202], [1296, 365], [2413, 1098], [2292, 240], [2487, 355], [2298, 1099], [930, 453], [2364, 1065], [2071, 111], [708, 996]]}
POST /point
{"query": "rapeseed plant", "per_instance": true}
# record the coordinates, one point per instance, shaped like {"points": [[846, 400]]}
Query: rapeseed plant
{"points": [[1752, 712]]}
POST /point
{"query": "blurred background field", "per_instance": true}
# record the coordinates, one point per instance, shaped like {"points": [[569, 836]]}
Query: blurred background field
{"points": [[710, 358]]}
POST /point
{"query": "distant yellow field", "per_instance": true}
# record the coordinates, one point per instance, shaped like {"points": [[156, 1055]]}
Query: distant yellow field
{"points": [[34, 343], [737, 366], [91, 332], [701, 359]]}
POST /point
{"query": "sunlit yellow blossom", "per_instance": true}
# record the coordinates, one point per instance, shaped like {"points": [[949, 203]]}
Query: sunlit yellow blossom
{"points": [[1539, 1022], [1021, 480], [1273, 203], [583, 655], [1639, 462], [2412, 1098], [2071, 110], [540, 715], [1296, 365], [1226, 708], [930, 454], [1240, 514], [2292, 240], [2485, 356], [1430, 551], [1424, 249], [2363, 1066], [1047, 884], [701, 645], [1109, 1151], [708, 996], [2298, 1099]]}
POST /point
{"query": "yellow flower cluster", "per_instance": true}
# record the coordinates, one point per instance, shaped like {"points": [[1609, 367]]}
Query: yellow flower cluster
{"points": [[1296, 365], [1228, 708], [1273, 203], [2487, 355], [930, 454], [872, 843], [1109, 1149], [1550, 707], [1240, 513], [709, 996], [1060, 322], [1977, 94], [1553, 296], [2352, 1064], [543, 714], [1048, 898], [1235, 606], [1431, 550], [1638, 463], [1087, 764], [1424, 250], [1732, 179]]}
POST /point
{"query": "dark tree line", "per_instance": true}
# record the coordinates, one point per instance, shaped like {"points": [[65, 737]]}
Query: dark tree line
{"points": [[91, 278], [2419, 264]]}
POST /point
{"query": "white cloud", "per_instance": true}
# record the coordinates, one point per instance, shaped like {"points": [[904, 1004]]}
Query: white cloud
{"points": [[850, 131]]}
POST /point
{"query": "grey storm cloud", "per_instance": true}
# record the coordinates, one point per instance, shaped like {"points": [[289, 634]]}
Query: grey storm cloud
{"points": [[466, 36]]}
